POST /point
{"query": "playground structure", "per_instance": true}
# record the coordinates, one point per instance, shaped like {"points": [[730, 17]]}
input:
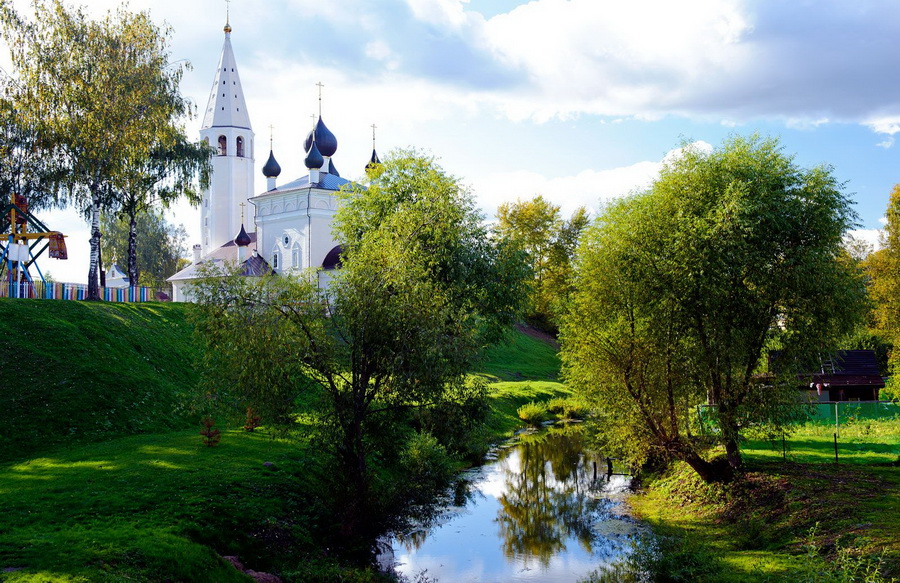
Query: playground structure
{"points": [[24, 238]]}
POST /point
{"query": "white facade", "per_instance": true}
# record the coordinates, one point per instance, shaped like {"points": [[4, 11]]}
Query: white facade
{"points": [[290, 225], [226, 127]]}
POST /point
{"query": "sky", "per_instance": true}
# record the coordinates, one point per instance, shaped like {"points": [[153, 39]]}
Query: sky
{"points": [[577, 100]]}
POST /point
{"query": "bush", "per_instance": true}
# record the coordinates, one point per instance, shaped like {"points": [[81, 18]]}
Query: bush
{"points": [[426, 465], [532, 413]]}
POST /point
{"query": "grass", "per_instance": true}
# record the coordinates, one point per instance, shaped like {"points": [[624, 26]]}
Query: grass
{"points": [[859, 442], [785, 521], [521, 358], [101, 481], [76, 372], [147, 508]]}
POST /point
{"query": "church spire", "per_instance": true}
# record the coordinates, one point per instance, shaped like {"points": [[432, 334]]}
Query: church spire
{"points": [[226, 106]]}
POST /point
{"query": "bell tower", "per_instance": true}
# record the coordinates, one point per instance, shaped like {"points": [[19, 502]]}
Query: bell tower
{"points": [[226, 127]]}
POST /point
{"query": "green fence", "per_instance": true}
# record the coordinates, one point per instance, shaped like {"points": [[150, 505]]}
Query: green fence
{"points": [[835, 413]]}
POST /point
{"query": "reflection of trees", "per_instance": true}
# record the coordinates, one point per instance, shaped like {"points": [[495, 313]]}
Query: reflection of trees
{"points": [[545, 502]]}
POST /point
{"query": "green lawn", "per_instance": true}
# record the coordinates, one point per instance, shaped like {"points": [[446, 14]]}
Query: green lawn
{"points": [[148, 508], [804, 519], [76, 372], [860, 442]]}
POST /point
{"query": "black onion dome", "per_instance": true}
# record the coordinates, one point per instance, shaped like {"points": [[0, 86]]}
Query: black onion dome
{"points": [[271, 169], [375, 161], [314, 159], [332, 169], [243, 239], [325, 139]]}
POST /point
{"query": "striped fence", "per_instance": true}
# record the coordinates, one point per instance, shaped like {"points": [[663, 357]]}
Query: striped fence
{"points": [[74, 291]]}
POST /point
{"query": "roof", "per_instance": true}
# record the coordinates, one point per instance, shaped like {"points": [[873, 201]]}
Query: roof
{"points": [[842, 369], [333, 258], [326, 182], [226, 253], [227, 106]]}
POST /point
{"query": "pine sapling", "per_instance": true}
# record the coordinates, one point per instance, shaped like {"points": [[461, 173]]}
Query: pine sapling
{"points": [[211, 435]]}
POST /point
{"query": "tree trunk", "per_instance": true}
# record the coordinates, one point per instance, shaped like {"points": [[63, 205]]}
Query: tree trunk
{"points": [[93, 292], [708, 471], [132, 249]]}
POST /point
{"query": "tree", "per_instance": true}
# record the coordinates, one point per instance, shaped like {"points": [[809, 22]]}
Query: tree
{"points": [[683, 289], [536, 227], [882, 269], [162, 245], [101, 92], [421, 291]]}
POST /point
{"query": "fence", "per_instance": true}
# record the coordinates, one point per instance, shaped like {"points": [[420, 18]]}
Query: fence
{"points": [[73, 291], [834, 413]]}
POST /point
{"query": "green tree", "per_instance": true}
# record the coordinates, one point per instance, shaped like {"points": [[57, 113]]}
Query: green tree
{"points": [[683, 289], [162, 245], [882, 269], [103, 93], [536, 227], [421, 291]]}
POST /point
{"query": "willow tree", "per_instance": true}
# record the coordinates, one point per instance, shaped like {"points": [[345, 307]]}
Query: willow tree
{"points": [[682, 290], [102, 92], [421, 291]]}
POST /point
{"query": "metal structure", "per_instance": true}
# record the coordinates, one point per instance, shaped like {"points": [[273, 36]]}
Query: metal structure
{"points": [[23, 238]]}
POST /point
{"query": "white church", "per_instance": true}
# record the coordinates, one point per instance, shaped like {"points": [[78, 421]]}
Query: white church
{"points": [[289, 225]]}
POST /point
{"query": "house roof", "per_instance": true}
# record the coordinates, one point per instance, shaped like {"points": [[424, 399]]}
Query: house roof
{"points": [[254, 265], [844, 368]]}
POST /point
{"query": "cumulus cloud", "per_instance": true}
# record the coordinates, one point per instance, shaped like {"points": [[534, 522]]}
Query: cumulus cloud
{"points": [[589, 188]]}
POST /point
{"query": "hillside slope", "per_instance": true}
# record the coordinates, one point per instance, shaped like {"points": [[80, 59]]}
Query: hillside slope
{"points": [[74, 372]]}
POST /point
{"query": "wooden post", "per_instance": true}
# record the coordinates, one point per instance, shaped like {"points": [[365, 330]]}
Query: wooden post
{"points": [[783, 448], [835, 448]]}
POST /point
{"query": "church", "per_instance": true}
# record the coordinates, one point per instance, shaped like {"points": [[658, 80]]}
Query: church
{"points": [[285, 229]]}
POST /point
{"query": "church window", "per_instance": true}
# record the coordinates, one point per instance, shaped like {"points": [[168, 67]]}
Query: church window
{"points": [[223, 146], [286, 240], [295, 256], [240, 147], [275, 261]]}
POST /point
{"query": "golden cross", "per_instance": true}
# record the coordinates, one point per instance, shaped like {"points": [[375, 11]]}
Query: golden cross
{"points": [[227, 11], [319, 85], [242, 205]]}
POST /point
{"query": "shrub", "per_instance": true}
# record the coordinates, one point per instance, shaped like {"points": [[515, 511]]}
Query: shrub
{"points": [[532, 413]]}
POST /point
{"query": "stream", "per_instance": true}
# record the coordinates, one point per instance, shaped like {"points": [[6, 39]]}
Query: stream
{"points": [[542, 508]]}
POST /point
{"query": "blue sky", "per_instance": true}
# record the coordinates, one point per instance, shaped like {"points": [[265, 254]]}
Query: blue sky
{"points": [[578, 100]]}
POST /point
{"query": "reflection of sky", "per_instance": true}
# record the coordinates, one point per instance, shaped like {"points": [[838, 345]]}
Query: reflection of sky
{"points": [[466, 547]]}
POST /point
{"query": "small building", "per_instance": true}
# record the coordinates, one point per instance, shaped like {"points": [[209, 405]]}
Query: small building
{"points": [[116, 277], [848, 375]]}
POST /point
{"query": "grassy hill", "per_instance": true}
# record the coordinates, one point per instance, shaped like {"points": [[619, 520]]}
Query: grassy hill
{"points": [[146, 501], [73, 372]]}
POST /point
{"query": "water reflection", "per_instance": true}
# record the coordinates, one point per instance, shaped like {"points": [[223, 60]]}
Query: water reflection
{"points": [[543, 510]]}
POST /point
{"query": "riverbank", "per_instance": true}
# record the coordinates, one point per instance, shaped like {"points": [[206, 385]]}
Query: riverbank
{"points": [[782, 521]]}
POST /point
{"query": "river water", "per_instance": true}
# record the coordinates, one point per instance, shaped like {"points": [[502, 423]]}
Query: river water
{"points": [[542, 509]]}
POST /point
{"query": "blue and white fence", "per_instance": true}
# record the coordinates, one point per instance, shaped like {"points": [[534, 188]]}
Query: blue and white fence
{"points": [[73, 291]]}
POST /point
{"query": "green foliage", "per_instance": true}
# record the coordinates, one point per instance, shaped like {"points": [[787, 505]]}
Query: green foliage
{"points": [[422, 289], [532, 413], [681, 289], [105, 98], [87, 372], [536, 227], [519, 357], [159, 247]]}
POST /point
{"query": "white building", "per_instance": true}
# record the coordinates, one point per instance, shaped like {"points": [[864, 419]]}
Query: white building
{"points": [[288, 227]]}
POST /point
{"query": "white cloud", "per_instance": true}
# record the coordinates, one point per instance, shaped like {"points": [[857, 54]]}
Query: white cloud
{"points": [[589, 188]]}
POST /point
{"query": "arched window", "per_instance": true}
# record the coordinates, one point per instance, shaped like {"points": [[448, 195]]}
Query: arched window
{"points": [[274, 260], [223, 146], [295, 256], [240, 147]]}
